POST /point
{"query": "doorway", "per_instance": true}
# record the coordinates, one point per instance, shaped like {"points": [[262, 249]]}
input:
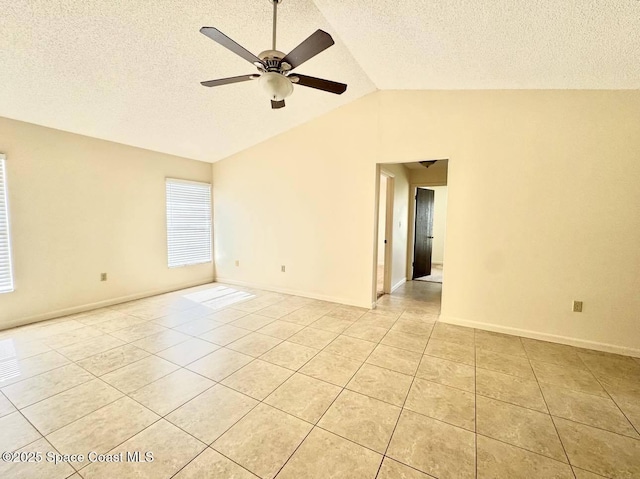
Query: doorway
{"points": [[429, 230], [384, 233]]}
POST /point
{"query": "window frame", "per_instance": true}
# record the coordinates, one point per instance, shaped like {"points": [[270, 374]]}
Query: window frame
{"points": [[4, 193], [168, 181]]}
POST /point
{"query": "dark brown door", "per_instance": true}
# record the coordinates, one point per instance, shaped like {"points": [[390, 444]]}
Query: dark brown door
{"points": [[424, 233]]}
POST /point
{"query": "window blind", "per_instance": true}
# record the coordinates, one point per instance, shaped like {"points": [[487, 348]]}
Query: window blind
{"points": [[188, 222], [6, 271]]}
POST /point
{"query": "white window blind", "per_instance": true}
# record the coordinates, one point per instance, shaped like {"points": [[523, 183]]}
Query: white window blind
{"points": [[188, 222], [6, 271]]}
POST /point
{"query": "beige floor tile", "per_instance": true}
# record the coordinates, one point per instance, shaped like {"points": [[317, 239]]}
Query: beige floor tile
{"points": [[500, 343], [43, 469], [576, 379], [445, 372], [407, 341], [365, 331], [137, 375], [176, 319], [13, 348], [582, 474], [379, 319], [68, 406], [451, 351], [304, 397], [197, 326], [289, 355], [84, 349], [112, 359], [349, 313], [445, 403], [497, 460], [278, 310], [362, 419], [518, 426], [224, 335], [632, 411], [326, 456], [399, 360], [104, 429], [138, 331], [16, 432], [40, 387], [436, 448], [13, 371], [304, 316], [213, 465], [263, 440], [349, 347], [622, 390], [188, 352], [518, 391], [118, 323], [160, 341], [504, 363], [453, 334], [252, 322], [553, 353], [171, 391], [281, 329], [5, 406], [258, 379], [391, 469], [72, 337], [254, 344], [334, 369], [333, 325], [588, 409], [210, 414], [226, 315], [313, 338], [413, 326], [602, 452], [220, 364], [604, 364], [172, 449], [380, 383]]}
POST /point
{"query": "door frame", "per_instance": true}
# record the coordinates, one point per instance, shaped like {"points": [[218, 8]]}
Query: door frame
{"points": [[411, 226], [388, 249]]}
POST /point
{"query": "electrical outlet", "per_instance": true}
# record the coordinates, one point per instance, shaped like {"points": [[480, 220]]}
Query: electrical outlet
{"points": [[577, 306], [282, 268], [237, 262], [103, 276]]}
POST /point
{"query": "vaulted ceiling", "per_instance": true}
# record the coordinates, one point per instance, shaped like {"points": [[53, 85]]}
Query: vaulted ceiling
{"points": [[129, 70]]}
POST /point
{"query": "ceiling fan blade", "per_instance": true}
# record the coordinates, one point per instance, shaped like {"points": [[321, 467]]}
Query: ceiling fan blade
{"points": [[316, 43], [319, 84], [275, 105], [227, 81], [219, 37]]}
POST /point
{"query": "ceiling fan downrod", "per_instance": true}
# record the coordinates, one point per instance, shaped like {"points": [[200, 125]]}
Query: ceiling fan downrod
{"points": [[275, 21]]}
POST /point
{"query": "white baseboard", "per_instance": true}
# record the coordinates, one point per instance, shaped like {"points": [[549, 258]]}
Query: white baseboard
{"points": [[398, 284], [525, 333], [305, 294], [100, 304]]}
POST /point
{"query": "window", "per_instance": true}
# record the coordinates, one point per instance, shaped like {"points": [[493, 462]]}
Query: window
{"points": [[188, 222], [6, 272]]}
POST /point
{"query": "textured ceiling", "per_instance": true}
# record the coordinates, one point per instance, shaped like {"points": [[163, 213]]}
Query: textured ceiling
{"points": [[129, 70], [492, 44]]}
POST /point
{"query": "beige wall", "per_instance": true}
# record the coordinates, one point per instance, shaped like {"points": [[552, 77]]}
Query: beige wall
{"points": [[399, 225], [542, 206], [79, 207], [382, 218]]}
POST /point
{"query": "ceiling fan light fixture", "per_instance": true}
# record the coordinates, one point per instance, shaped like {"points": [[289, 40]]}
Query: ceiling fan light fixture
{"points": [[277, 86]]}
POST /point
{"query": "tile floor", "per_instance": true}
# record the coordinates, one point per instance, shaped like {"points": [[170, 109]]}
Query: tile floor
{"points": [[223, 382]]}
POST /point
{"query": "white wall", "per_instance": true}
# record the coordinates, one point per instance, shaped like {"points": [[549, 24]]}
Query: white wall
{"points": [[542, 206], [79, 207]]}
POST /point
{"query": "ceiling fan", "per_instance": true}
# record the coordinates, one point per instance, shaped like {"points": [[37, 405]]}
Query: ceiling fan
{"points": [[274, 67]]}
